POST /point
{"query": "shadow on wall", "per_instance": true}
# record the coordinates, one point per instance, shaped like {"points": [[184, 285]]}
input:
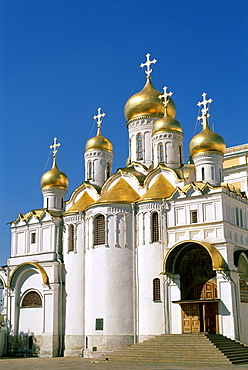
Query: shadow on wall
{"points": [[23, 345]]}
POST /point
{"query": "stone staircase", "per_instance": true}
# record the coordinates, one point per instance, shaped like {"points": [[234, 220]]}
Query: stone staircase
{"points": [[189, 349]]}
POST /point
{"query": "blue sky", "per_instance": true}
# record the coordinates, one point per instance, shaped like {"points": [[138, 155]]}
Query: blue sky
{"points": [[60, 60]]}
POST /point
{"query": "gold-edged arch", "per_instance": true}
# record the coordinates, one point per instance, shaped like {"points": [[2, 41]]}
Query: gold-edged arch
{"points": [[41, 270], [218, 262]]}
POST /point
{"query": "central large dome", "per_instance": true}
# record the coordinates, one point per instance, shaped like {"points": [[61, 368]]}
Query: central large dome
{"points": [[147, 103]]}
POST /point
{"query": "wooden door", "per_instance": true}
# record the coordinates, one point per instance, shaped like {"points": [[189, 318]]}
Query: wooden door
{"points": [[211, 317], [191, 317]]}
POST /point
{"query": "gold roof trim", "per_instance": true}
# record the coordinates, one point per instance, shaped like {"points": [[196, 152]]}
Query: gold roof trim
{"points": [[83, 186], [218, 262], [41, 270], [120, 192], [81, 204], [160, 189]]}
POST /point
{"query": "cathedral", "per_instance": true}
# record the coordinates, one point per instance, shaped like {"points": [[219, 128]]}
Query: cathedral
{"points": [[160, 246]]}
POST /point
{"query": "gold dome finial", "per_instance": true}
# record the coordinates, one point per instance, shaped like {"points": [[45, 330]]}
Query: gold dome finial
{"points": [[98, 141], [99, 121], [147, 64], [206, 140], [204, 117], [54, 177], [165, 97]]}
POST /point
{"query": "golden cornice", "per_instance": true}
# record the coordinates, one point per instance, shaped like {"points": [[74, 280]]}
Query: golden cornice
{"points": [[41, 270], [161, 189], [81, 204]]}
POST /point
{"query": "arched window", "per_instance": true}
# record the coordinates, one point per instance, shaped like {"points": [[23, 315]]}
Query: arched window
{"points": [[71, 238], [89, 170], [108, 170], [139, 146], [161, 152], [155, 227], [156, 290], [203, 173], [99, 230], [32, 299]]}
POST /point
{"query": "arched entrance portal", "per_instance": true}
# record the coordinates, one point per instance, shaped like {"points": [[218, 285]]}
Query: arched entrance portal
{"points": [[196, 264]]}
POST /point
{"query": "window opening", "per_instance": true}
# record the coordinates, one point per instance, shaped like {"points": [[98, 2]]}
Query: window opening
{"points": [[203, 173], [155, 227], [71, 245], [90, 170], [180, 155], [161, 153], [30, 342], [156, 290], [237, 216], [108, 170], [194, 218], [47, 202], [241, 217], [99, 324], [33, 238], [139, 146], [212, 173], [62, 203], [99, 230]]}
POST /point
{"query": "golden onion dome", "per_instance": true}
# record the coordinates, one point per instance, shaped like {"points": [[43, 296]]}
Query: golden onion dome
{"points": [[207, 141], [54, 178], [166, 124], [99, 142], [147, 103]]}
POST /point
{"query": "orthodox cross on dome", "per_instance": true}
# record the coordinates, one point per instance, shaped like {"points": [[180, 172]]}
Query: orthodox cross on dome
{"points": [[54, 147], [147, 64], [98, 117], [205, 115], [165, 96]]}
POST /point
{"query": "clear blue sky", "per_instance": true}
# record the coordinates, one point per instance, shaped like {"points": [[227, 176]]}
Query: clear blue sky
{"points": [[61, 60]]}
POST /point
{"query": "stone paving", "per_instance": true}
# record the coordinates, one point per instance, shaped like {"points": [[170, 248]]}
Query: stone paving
{"points": [[65, 363]]}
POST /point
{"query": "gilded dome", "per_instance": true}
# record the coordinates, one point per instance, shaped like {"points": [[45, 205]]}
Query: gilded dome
{"points": [[166, 124], [99, 142], [207, 141], [54, 177], [147, 103]]}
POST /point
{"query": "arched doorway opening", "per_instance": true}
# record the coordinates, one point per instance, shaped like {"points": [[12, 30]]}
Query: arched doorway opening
{"points": [[196, 264]]}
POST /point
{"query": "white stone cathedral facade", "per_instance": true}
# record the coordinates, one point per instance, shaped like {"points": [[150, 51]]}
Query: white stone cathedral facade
{"points": [[157, 247]]}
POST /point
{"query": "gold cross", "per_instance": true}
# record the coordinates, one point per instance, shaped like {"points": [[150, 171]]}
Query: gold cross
{"points": [[98, 117], [165, 96], [54, 146], [147, 64]]}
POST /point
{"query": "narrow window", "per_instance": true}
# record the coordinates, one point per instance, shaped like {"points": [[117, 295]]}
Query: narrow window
{"points": [[47, 202], [241, 217], [32, 299], [220, 174], [203, 173], [139, 146], [108, 170], [89, 170], [62, 203], [30, 342], [33, 238], [99, 230], [156, 290], [71, 238], [212, 172], [194, 218], [237, 216], [99, 324], [155, 227], [180, 155], [161, 153]]}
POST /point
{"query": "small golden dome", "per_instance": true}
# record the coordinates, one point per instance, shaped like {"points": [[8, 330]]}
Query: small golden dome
{"points": [[54, 178], [166, 124], [147, 103], [99, 142], [207, 141]]}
